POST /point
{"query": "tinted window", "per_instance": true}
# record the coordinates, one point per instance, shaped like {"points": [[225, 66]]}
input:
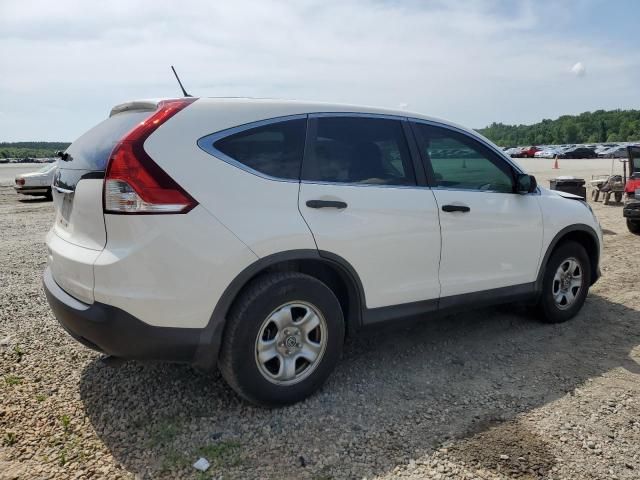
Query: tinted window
{"points": [[275, 149], [358, 150], [92, 150], [461, 162]]}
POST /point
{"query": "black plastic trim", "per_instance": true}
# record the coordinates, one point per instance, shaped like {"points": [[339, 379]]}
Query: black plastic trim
{"points": [[578, 227], [115, 332]]}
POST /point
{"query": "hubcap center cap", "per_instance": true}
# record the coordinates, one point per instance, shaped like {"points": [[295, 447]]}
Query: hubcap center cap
{"points": [[290, 341]]}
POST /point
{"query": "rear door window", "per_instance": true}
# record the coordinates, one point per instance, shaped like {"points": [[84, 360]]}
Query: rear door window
{"points": [[358, 150], [274, 149]]}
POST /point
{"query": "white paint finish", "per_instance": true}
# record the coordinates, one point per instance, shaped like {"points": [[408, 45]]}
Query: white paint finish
{"points": [[262, 213], [496, 244], [559, 212], [86, 224], [72, 267], [168, 270], [390, 236]]}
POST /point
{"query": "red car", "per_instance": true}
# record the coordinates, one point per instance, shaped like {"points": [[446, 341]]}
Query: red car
{"points": [[529, 152]]}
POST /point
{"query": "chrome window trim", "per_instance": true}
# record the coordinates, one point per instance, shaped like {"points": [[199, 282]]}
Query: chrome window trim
{"points": [[351, 184], [383, 116], [207, 142]]}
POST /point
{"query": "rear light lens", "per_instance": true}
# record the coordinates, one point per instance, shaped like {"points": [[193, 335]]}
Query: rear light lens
{"points": [[134, 183], [19, 181]]}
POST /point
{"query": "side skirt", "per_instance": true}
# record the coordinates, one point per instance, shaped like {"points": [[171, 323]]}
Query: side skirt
{"points": [[448, 305]]}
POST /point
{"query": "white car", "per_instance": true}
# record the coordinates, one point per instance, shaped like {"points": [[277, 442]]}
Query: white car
{"points": [[36, 183], [255, 234]]}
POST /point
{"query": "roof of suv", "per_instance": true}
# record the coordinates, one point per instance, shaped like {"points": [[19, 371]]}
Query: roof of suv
{"points": [[301, 106]]}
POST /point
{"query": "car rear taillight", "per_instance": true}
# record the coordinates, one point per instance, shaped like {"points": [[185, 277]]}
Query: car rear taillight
{"points": [[134, 183], [19, 181]]}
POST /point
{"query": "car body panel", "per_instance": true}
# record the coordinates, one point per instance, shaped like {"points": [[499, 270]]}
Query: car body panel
{"points": [[390, 236], [168, 269], [489, 246]]}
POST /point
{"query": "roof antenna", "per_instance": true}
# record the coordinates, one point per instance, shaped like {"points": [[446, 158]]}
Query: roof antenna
{"points": [[178, 78]]}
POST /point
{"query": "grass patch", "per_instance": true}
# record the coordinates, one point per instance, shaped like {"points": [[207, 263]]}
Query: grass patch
{"points": [[173, 460], [41, 397], [66, 423], [223, 454], [18, 352], [163, 433], [12, 380], [9, 439]]}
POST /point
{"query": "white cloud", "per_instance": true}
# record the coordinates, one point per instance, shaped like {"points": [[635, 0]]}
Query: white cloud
{"points": [[67, 62], [579, 70]]}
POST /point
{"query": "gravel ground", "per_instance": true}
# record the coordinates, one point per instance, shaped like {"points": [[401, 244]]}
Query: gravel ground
{"points": [[488, 394]]}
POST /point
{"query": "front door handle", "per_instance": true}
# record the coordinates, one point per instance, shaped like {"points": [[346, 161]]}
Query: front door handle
{"points": [[455, 208], [326, 204]]}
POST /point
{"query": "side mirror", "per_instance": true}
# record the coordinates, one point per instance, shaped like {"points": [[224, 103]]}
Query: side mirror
{"points": [[525, 183]]}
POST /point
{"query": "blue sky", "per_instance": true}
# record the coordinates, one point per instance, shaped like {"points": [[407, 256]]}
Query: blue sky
{"points": [[66, 62]]}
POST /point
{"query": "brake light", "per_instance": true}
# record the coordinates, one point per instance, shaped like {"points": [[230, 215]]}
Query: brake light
{"points": [[134, 183]]}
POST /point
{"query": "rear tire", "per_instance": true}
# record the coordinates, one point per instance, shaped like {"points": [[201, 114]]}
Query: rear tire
{"points": [[566, 282], [283, 338], [633, 226]]}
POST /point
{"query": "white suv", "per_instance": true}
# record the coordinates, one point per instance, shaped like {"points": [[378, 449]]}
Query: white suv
{"points": [[255, 234]]}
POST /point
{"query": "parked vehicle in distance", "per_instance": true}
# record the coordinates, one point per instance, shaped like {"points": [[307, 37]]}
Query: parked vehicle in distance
{"points": [[514, 152], [529, 152], [256, 234], [631, 209], [546, 153], [36, 183], [614, 152], [577, 152]]}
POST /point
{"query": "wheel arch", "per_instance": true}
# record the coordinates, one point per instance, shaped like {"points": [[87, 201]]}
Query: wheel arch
{"points": [[329, 268], [582, 234]]}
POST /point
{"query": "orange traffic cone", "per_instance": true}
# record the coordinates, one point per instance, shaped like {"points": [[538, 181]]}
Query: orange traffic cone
{"points": [[555, 164]]}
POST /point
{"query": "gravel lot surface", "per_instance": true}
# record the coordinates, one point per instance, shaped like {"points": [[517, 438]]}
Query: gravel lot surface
{"points": [[488, 394]]}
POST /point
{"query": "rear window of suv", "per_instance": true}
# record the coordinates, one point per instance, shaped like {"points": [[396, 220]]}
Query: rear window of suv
{"points": [[92, 150], [274, 149]]}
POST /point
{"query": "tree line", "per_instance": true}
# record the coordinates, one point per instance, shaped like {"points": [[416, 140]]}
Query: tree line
{"points": [[588, 127], [30, 149]]}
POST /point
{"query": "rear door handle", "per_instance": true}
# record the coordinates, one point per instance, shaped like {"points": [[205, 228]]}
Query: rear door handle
{"points": [[326, 204], [455, 208]]}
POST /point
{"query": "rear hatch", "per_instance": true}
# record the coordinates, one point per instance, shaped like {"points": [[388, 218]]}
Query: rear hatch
{"points": [[77, 184], [78, 234]]}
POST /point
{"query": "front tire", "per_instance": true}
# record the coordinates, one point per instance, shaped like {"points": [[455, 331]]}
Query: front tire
{"points": [[633, 226], [565, 283], [49, 195], [283, 338]]}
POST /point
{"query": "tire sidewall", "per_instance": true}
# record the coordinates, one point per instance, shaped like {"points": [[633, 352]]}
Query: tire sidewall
{"points": [[552, 312], [300, 288]]}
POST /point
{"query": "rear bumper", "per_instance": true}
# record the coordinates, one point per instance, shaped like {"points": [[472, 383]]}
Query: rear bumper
{"points": [[632, 210], [25, 190], [115, 332]]}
